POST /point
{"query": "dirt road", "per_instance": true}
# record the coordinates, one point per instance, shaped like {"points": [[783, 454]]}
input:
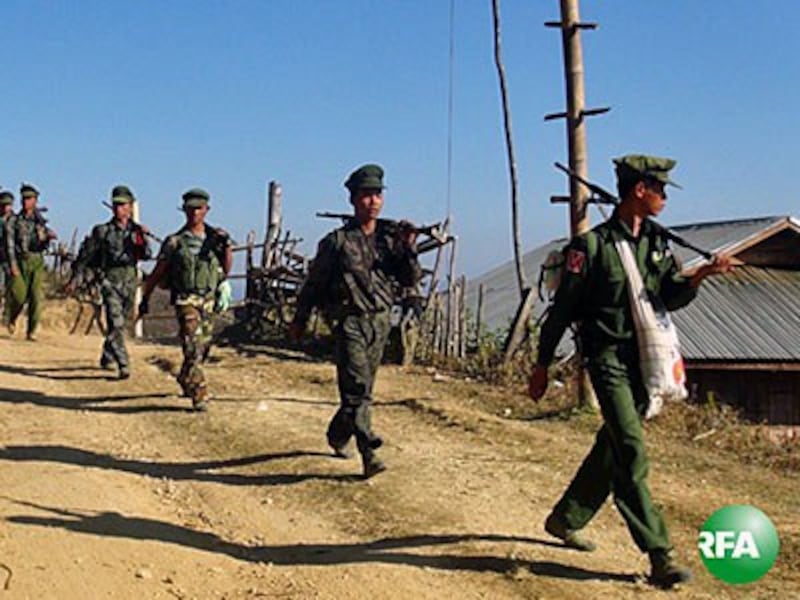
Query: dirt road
{"points": [[114, 490]]}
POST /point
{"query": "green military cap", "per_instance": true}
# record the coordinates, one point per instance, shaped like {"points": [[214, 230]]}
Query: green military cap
{"points": [[122, 194], [26, 190], [639, 166], [196, 197], [6, 197], [365, 177]]}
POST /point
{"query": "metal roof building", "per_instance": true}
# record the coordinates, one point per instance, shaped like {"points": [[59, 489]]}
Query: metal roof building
{"points": [[740, 337]]}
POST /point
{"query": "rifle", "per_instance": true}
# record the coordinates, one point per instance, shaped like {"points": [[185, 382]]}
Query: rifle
{"points": [[433, 230], [602, 196], [152, 236]]}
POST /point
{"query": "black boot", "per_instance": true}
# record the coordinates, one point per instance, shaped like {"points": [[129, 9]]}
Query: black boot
{"points": [[372, 465], [665, 571], [556, 527]]}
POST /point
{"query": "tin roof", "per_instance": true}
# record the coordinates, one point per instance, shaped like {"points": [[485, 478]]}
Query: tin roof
{"points": [[760, 305], [750, 314]]}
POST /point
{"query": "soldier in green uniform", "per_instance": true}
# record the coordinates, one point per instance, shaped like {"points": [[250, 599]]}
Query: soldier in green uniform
{"points": [[593, 293], [114, 249], [27, 237], [193, 262], [354, 279], [6, 210]]}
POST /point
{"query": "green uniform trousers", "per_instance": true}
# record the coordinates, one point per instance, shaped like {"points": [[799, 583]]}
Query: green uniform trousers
{"points": [[118, 294], [27, 288], [617, 463], [360, 341]]}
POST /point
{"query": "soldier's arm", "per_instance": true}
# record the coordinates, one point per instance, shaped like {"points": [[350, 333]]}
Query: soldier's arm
{"points": [[318, 280], [162, 267], [567, 300], [86, 253], [11, 252], [406, 265], [676, 289]]}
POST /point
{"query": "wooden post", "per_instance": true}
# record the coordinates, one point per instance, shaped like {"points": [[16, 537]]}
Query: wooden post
{"points": [[479, 316], [434, 283], [462, 317], [451, 299], [576, 125], [274, 220], [576, 139]]}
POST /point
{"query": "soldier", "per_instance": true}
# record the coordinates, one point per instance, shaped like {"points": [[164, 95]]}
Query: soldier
{"points": [[593, 293], [6, 210], [353, 278], [193, 262], [27, 237], [114, 249]]}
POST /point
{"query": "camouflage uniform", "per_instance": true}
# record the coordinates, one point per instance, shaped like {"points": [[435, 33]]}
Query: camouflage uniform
{"points": [[354, 278], [27, 238], [6, 199], [114, 251], [195, 271]]}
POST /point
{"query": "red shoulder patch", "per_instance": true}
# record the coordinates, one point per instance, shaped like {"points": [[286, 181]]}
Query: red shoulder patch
{"points": [[575, 260]]}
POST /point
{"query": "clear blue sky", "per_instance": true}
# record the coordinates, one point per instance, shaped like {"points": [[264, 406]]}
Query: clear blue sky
{"points": [[165, 96]]}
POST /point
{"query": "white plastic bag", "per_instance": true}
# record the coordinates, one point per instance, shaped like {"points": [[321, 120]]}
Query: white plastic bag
{"points": [[660, 359]]}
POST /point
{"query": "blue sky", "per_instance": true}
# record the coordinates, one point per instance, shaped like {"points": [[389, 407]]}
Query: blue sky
{"points": [[174, 94]]}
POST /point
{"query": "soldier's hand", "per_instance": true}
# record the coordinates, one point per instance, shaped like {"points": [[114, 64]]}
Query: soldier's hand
{"points": [[407, 233], [144, 307], [721, 263], [537, 384], [14, 271]]}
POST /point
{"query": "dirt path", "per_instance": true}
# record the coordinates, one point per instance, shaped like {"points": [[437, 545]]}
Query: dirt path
{"points": [[113, 490]]}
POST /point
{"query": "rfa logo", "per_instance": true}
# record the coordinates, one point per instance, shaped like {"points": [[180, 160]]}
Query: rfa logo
{"points": [[715, 544], [738, 544]]}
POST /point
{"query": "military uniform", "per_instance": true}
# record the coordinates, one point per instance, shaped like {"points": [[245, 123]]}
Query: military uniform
{"points": [[6, 199], [195, 270], [115, 251], [27, 238], [593, 293], [354, 278]]}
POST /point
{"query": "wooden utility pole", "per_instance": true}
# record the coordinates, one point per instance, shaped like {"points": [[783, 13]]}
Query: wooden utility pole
{"points": [[571, 26], [522, 281]]}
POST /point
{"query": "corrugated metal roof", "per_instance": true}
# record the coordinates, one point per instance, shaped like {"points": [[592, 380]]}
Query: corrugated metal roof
{"points": [[721, 235], [749, 314], [760, 306]]}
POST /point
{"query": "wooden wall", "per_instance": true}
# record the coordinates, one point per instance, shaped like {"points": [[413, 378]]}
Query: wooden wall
{"points": [[766, 396]]}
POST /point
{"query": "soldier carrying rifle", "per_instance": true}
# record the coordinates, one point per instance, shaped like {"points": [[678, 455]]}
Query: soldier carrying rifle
{"points": [[27, 237], [113, 249], [353, 279]]}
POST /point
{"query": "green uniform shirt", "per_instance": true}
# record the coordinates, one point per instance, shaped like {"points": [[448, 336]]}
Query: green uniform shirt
{"points": [[114, 250], [195, 262], [25, 235], [3, 249], [354, 273], [593, 289]]}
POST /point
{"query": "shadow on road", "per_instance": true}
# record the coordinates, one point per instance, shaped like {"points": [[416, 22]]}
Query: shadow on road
{"points": [[178, 471], [102, 404], [387, 550], [55, 373]]}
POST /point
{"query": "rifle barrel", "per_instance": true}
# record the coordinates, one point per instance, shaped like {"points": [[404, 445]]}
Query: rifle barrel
{"points": [[612, 199]]}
